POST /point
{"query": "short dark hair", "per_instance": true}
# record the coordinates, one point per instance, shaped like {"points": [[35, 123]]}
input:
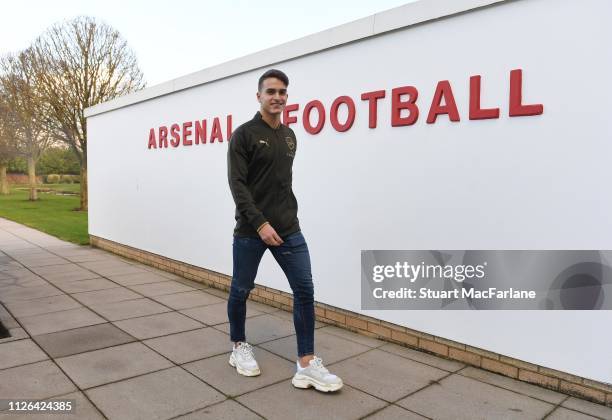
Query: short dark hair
{"points": [[273, 73]]}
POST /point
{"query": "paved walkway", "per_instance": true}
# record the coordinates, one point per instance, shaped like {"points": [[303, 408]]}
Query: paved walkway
{"points": [[126, 341]]}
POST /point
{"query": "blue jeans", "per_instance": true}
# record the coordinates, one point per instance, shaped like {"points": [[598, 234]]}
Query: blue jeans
{"points": [[294, 258]]}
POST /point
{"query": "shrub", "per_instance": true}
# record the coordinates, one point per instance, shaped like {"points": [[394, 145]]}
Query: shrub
{"points": [[52, 179], [66, 179]]}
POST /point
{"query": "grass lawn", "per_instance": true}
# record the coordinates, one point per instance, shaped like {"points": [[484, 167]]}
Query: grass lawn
{"points": [[53, 214]]}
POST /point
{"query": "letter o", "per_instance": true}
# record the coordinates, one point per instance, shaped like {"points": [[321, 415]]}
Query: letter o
{"points": [[333, 113], [306, 117]]}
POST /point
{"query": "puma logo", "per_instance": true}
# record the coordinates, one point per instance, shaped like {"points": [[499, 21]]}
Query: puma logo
{"points": [[264, 142]]}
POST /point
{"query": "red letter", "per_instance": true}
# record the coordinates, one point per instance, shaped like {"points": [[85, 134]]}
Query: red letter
{"points": [[200, 132], [333, 113], [163, 136], [216, 133], [373, 98], [517, 109], [443, 91], [290, 119], [187, 133], [228, 121], [476, 112], [152, 139], [397, 105], [306, 117], [176, 137]]}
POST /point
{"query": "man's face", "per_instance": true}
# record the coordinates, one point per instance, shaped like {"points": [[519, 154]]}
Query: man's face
{"points": [[273, 95]]}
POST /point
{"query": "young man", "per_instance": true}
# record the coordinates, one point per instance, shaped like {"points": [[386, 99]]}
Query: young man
{"points": [[260, 158]]}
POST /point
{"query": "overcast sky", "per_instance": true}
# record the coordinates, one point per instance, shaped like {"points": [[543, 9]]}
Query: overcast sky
{"points": [[174, 38]]}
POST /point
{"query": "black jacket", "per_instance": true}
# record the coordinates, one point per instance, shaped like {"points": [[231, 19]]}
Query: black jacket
{"points": [[259, 166]]}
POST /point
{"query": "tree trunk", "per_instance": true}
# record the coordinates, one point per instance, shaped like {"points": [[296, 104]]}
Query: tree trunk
{"points": [[4, 188], [32, 178], [84, 201]]}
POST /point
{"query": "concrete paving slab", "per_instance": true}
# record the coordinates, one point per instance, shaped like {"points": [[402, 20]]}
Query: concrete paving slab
{"points": [[80, 340], [70, 272], [11, 247], [227, 409], [217, 372], [159, 395], [81, 253], [59, 321], [17, 273], [89, 285], [385, 375], [73, 249], [83, 409], [191, 283], [161, 288], [354, 337], [191, 345], [42, 261], [115, 294], [587, 407], [125, 309], [263, 328], [283, 401], [167, 275], [514, 385], [287, 316], [111, 364], [157, 325], [20, 352], [219, 293], [7, 263], [7, 319], [267, 309], [18, 254], [393, 412], [466, 398], [63, 267], [111, 268], [330, 348], [13, 284], [418, 356], [137, 278], [561, 413], [17, 293], [188, 300], [34, 381], [214, 314], [16, 334], [42, 305]]}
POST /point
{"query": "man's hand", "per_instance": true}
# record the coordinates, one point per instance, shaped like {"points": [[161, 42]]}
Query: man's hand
{"points": [[269, 235]]}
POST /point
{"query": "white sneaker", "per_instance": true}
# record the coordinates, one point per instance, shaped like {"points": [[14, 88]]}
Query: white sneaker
{"points": [[317, 375], [243, 359]]}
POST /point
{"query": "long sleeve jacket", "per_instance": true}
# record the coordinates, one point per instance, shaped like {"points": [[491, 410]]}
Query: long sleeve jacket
{"points": [[259, 162]]}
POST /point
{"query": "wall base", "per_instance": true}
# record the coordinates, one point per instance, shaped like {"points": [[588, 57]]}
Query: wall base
{"points": [[548, 378]]}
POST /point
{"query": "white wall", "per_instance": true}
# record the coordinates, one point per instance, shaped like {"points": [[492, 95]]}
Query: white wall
{"points": [[539, 182]]}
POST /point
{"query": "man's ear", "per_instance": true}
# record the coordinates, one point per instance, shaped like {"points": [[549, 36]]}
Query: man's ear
{"points": [[258, 97]]}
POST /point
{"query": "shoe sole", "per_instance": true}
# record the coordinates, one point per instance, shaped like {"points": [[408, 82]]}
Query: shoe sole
{"points": [[243, 372], [301, 381]]}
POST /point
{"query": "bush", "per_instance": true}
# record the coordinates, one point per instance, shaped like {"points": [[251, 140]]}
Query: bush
{"points": [[52, 179], [66, 179]]}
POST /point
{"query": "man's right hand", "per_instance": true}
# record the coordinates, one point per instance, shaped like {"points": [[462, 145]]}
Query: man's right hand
{"points": [[269, 235]]}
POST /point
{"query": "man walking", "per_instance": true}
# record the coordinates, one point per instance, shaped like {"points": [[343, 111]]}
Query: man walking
{"points": [[260, 160]]}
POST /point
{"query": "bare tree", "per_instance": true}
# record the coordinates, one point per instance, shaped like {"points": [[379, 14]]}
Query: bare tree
{"points": [[22, 97], [82, 63], [8, 147]]}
